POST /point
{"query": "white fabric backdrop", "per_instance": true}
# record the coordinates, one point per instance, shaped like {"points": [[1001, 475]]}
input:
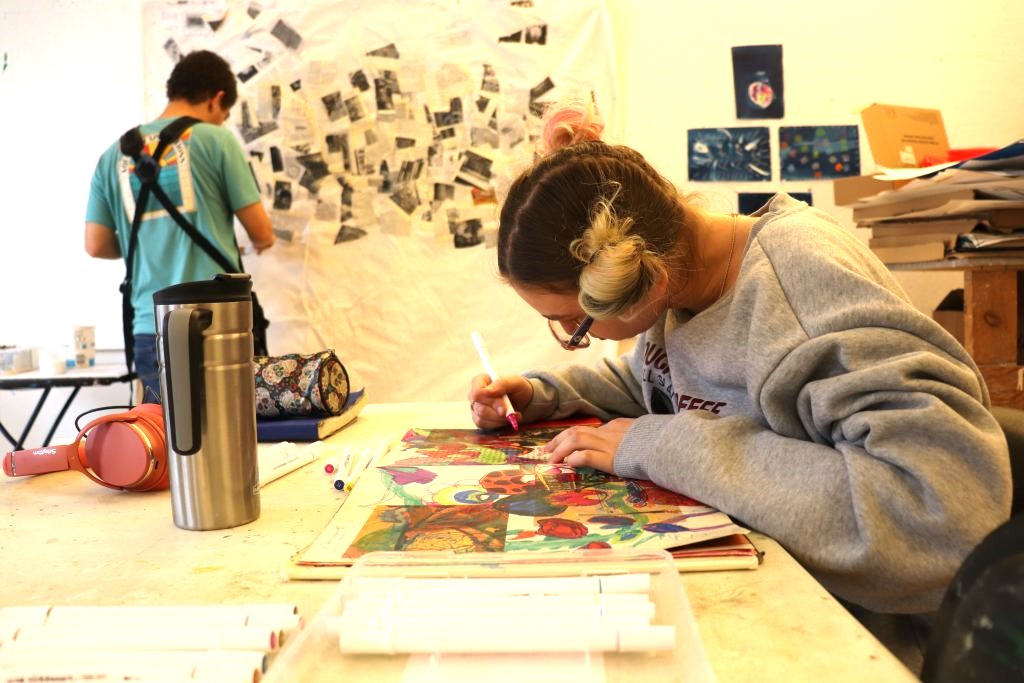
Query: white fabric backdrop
{"points": [[399, 303]]}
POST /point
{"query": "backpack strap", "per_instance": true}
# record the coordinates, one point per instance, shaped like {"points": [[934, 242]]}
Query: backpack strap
{"points": [[147, 170]]}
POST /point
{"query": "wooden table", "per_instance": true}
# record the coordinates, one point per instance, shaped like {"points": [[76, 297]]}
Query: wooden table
{"points": [[993, 318], [65, 540]]}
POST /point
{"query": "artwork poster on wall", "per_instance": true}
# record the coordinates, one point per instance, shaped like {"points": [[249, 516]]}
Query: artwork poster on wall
{"points": [[729, 154], [749, 202], [758, 82], [818, 152]]}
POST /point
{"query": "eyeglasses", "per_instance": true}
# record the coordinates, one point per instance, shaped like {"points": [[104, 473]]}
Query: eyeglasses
{"points": [[579, 339]]}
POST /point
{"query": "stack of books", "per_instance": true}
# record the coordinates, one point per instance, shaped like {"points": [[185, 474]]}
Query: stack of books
{"points": [[970, 209]]}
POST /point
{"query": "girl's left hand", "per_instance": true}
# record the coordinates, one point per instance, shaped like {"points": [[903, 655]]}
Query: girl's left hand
{"points": [[584, 446]]}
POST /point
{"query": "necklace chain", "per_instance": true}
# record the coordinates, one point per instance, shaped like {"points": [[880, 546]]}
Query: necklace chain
{"points": [[728, 265]]}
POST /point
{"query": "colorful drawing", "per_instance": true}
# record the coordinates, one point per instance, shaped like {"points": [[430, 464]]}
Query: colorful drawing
{"points": [[818, 152], [718, 154], [435, 491], [470, 446], [431, 528]]}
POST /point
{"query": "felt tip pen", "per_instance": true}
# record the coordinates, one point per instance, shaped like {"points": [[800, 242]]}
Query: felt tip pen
{"points": [[485, 359]]}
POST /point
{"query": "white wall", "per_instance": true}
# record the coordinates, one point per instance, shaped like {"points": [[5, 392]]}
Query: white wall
{"points": [[73, 83], [838, 57]]}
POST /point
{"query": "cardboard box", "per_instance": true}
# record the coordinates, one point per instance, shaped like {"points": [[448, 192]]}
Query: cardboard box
{"points": [[902, 136], [849, 190]]}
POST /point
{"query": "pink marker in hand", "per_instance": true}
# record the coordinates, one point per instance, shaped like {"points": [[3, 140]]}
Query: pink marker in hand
{"points": [[510, 412]]}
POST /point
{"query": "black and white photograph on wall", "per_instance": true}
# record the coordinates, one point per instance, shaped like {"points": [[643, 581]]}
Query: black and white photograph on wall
{"points": [[335, 106], [475, 170], [276, 163], [356, 110], [337, 149], [287, 35], [451, 117], [383, 179], [443, 192], [275, 101], [757, 81], [384, 90], [247, 73], [544, 87], [388, 50], [536, 35], [315, 169], [489, 83], [406, 196], [172, 50], [410, 170], [479, 137], [729, 154], [250, 130], [348, 233], [359, 80], [465, 233], [282, 195]]}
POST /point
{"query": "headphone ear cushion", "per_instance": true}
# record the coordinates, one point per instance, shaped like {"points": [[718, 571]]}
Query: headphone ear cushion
{"points": [[116, 454], [150, 420]]}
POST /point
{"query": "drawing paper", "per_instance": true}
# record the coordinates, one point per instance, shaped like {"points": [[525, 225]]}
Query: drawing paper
{"points": [[473, 491]]}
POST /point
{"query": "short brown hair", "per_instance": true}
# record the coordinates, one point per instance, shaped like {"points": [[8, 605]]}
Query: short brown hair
{"points": [[199, 76]]}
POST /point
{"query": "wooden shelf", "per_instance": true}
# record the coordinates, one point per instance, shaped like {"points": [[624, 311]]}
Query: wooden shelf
{"points": [[993, 319]]}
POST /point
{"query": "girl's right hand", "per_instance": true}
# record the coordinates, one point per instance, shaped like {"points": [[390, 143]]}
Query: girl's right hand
{"points": [[487, 403]]}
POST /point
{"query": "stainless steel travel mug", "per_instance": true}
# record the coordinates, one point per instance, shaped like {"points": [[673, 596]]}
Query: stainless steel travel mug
{"points": [[207, 386]]}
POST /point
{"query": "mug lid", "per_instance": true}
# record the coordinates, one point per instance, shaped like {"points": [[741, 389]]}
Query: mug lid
{"points": [[223, 288]]}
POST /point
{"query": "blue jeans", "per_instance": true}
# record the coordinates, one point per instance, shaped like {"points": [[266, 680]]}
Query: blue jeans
{"points": [[146, 367]]}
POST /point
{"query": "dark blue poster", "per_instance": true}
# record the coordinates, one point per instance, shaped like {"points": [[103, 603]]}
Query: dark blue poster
{"points": [[818, 152], [757, 80], [749, 202], [719, 154]]}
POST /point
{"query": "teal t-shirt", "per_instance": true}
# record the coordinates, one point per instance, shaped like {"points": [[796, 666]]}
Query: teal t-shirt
{"points": [[206, 176]]}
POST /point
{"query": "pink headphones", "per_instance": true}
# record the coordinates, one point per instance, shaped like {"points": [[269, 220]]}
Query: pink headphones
{"points": [[120, 451]]}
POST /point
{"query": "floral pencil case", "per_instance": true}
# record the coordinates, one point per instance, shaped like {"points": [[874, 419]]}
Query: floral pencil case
{"points": [[311, 385]]}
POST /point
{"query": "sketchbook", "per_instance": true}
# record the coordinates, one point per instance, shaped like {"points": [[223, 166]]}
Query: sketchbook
{"points": [[474, 491], [301, 428]]}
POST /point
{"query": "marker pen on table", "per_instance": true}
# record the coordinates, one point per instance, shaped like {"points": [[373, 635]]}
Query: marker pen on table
{"points": [[510, 412]]}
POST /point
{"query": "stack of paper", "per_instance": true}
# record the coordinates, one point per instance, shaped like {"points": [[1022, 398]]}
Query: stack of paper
{"points": [[973, 208]]}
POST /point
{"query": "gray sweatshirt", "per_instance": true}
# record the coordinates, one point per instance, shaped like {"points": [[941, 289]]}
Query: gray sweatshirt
{"points": [[815, 404]]}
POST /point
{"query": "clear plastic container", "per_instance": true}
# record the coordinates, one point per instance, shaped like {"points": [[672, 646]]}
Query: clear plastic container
{"points": [[315, 653]]}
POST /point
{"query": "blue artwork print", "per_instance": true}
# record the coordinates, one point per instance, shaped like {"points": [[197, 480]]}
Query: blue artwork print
{"points": [[722, 154], [818, 152]]}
